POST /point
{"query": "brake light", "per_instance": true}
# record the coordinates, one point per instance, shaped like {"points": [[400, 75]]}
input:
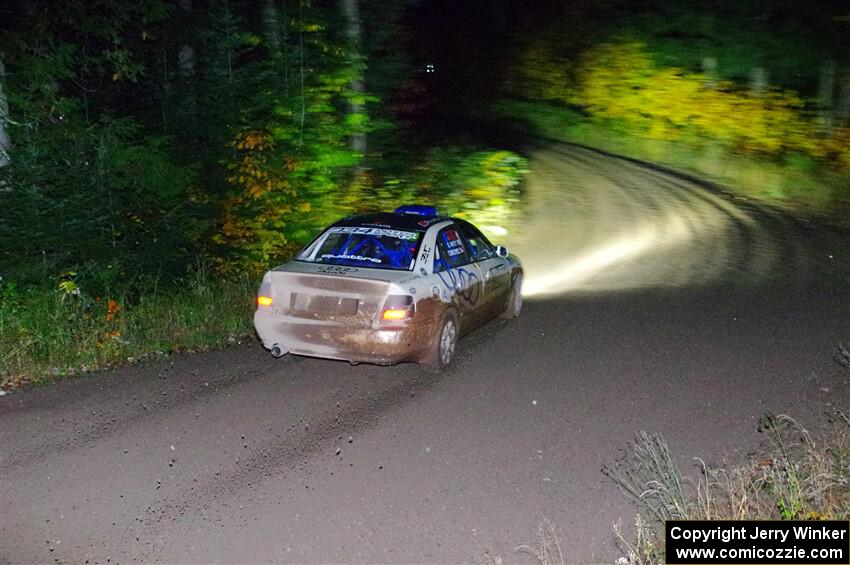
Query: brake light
{"points": [[264, 300], [397, 307], [395, 314]]}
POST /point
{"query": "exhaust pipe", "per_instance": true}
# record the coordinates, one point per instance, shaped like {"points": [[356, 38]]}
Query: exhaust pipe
{"points": [[277, 352]]}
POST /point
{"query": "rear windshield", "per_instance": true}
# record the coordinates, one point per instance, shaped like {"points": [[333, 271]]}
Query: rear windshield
{"points": [[379, 248]]}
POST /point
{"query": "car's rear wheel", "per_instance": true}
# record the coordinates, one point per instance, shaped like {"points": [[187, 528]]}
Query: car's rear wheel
{"points": [[514, 305], [445, 343]]}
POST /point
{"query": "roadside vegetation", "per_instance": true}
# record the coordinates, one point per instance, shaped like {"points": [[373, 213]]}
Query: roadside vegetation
{"points": [[754, 97], [797, 473], [77, 321], [764, 143], [157, 157], [138, 140], [47, 333]]}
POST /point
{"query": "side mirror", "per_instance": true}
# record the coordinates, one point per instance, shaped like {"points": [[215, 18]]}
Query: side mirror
{"points": [[501, 251]]}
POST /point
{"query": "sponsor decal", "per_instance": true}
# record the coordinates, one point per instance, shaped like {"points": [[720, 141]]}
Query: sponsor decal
{"points": [[351, 258], [463, 283], [425, 253], [453, 243], [398, 234], [336, 269]]}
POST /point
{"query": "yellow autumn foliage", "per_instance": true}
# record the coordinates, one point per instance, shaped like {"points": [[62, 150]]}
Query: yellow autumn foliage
{"points": [[620, 81], [259, 206]]}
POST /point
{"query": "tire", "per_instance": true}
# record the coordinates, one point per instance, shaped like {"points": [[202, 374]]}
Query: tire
{"points": [[444, 347], [514, 305]]}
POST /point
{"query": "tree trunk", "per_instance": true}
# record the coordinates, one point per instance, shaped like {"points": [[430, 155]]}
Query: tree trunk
{"points": [[353, 34], [285, 40], [166, 89], [709, 69], [826, 93], [276, 42], [758, 81], [186, 64], [271, 29], [843, 111], [5, 142]]}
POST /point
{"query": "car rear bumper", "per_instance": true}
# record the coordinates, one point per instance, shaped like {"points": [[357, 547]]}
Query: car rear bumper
{"points": [[340, 339]]}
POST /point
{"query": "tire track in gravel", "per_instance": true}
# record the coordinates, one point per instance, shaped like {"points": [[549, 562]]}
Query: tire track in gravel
{"points": [[83, 423], [79, 445], [292, 447]]}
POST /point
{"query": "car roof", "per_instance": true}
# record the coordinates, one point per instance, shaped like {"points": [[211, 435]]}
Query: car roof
{"points": [[410, 222]]}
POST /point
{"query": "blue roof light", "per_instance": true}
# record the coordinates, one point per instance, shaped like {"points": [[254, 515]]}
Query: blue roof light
{"points": [[417, 209]]}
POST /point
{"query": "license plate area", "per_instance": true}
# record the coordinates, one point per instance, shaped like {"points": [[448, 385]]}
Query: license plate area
{"points": [[318, 304]]}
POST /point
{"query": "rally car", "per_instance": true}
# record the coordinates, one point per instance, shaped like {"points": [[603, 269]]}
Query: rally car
{"points": [[385, 288]]}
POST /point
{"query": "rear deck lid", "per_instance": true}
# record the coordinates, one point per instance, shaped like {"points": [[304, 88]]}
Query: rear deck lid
{"points": [[329, 292]]}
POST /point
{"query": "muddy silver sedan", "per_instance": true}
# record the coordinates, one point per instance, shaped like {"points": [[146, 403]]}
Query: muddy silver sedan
{"points": [[388, 287]]}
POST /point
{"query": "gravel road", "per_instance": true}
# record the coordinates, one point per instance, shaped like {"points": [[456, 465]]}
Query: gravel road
{"points": [[653, 304]]}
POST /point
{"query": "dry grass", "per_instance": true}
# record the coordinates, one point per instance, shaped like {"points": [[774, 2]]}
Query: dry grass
{"points": [[842, 357], [547, 548], [797, 476]]}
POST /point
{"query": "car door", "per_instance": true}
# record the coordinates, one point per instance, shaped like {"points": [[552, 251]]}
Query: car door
{"points": [[495, 271], [460, 277]]}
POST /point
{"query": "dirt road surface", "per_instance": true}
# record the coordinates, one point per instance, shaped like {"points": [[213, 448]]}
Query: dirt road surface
{"points": [[653, 304]]}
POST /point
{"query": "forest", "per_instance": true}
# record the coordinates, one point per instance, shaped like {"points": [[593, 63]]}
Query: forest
{"points": [[157, 156]]}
